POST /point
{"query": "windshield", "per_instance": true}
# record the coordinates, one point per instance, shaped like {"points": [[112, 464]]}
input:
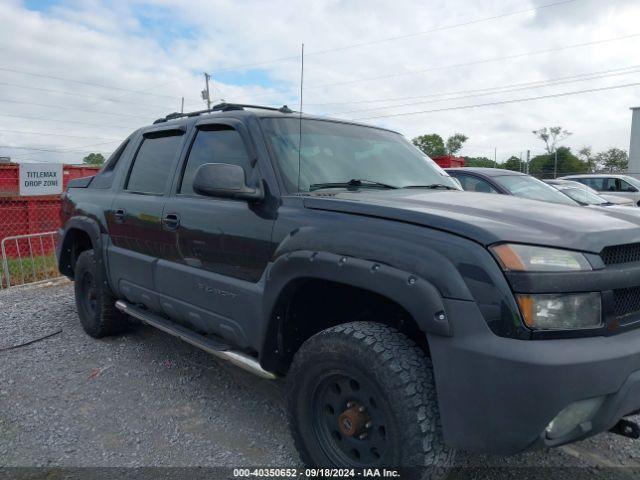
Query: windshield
{"points": [[529, 187], [335, 152], [583, 196]]}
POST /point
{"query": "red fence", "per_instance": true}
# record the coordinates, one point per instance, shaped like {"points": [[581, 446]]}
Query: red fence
{"points": [[28, 215]]}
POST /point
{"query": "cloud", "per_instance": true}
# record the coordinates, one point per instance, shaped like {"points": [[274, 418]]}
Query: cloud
{"points": [[132, 61]]}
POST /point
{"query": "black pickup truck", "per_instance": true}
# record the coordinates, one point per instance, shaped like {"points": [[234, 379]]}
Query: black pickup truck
{"points": [[411, 319]]}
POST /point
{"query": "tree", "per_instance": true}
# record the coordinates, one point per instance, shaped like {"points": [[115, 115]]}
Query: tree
{"points": [[434, 146], [613, 160], [431, 145], [568, 163], [586, 155], [93, 159], [551, 136], [479, 162], [513, 163], [455, 142]]}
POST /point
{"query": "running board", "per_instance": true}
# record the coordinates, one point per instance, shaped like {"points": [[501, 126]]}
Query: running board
{"points": [[218, 349]]}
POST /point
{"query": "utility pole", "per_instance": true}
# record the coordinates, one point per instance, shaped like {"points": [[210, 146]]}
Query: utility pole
{"points": [[182, 106], [205, 92], [528, 158], [555, 165], [495, 156], [520, 162]]}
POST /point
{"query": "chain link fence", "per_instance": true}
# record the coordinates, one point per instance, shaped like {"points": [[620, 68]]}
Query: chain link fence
{"points": [[28, 227], [27, 239]]}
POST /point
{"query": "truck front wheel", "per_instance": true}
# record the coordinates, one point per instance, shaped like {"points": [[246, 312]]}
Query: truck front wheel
{"points": [[95, 304], [362, 395]]}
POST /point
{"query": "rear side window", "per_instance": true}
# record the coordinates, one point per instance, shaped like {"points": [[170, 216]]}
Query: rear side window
{"points": [[104, 179], [220, 145], [112, 161], [473, 184], [611, 185], [595, 183], [152, 166]]}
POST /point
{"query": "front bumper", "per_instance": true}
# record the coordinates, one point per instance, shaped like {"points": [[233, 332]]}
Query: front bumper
{"points": [[497, 395]]}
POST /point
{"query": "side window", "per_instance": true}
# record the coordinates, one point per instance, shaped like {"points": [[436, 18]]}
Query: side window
{"points": [[611, 185], [474, 184], [595, 183], [462, 179], [627, 187], [112, 161], [104, 178], [220, 145], [152, 166]]}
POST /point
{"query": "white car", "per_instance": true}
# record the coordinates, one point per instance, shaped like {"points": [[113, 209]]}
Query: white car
{"points": [[611, 199], [610, 184]]}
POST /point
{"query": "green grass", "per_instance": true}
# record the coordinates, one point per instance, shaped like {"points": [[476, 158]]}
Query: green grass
{"points": [[29, 270]]}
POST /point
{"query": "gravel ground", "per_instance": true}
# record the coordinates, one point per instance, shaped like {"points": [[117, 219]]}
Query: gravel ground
{"points": [[148, 399]]}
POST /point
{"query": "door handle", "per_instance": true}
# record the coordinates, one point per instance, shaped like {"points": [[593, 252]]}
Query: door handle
{"points": [[171, 221], [119, 214]]}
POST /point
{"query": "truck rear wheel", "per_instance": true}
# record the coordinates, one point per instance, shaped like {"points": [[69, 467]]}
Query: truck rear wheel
{"points": [[95, 304], [362, 395]]}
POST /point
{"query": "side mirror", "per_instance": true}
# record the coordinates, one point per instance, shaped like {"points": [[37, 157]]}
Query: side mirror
{"points": [[226, 181]]}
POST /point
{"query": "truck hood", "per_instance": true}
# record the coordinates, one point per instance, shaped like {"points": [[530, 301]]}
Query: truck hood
{"points": [[489, 218]]}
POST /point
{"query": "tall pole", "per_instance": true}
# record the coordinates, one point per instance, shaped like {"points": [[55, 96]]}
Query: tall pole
{"points": [[182, 106], [520, 161], [528, 158], [555, 165], [206, 81], [495, 156]]}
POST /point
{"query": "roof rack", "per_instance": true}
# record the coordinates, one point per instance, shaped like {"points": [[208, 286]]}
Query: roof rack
{"points": [[222, 107]]}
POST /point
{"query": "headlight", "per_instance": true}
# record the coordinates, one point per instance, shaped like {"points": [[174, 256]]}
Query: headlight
{"points": [[529, 258], [563, 311]]}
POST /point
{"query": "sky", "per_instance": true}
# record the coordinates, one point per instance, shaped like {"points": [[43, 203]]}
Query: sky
{"points": [[79, 76]]}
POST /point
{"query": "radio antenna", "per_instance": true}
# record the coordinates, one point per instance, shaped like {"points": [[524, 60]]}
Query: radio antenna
{"points": [[300, 116]]}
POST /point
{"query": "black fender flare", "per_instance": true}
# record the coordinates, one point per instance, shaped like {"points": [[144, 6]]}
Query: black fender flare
{"points": [[419, 297], [65, 253]]}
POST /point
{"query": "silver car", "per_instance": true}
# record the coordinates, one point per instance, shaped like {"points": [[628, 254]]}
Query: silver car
{"points": [[611, 199], [611, 184]]}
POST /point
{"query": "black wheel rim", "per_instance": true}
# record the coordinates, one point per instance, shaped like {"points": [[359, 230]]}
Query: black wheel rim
{"points": [[89, 293], [349, 420]]}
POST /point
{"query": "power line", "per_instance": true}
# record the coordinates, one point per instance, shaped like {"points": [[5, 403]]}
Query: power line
{"points": [[623, 71], [57, 120], [37, 150], [80, 95], [457, 65], [42, 149], [84, 82], [503, 89], [478, 62], [53, 134], [395, 38], [65, 107], [504, 102]]}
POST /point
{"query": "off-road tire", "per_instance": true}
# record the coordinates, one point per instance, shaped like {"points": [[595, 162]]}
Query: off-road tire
{"points": [[393, 365], [94, 301]]}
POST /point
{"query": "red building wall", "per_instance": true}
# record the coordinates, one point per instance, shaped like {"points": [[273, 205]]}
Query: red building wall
{"points": [[449, 161]]}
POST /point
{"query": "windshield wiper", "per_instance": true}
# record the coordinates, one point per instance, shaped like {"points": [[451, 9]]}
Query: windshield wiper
{"points": [[354, 182], [433, 186]]}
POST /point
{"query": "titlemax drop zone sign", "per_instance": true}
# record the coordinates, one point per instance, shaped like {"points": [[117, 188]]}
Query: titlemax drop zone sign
{"points": [[40, 179]]}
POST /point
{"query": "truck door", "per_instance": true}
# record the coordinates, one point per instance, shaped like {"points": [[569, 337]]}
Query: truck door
{"points": [[222, 246], [134, 221]]}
